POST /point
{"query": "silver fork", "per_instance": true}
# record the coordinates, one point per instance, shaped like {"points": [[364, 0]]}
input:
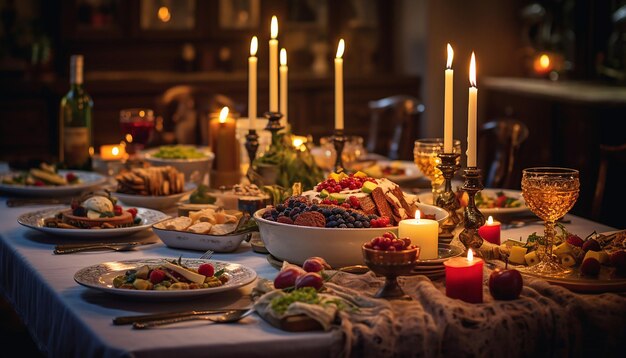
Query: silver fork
{"points": [[228, 317], [207, 255]]}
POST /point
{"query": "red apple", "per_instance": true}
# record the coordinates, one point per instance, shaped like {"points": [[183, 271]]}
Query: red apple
{"points": [[590, 267], [505, 284], [310, 279], [287, 277], [315, 264]]}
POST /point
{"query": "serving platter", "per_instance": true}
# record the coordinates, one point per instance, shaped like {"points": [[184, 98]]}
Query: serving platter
{"points": [[605, 282], [100, 277], [89, 180], [427, 198], [35, 220]]}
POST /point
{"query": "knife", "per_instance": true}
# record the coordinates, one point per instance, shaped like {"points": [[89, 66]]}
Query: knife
{"points": [[124, 320], [115, 247]]}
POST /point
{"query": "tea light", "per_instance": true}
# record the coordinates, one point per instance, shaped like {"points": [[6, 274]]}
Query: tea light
{"points": [[112, 152], [490, 231], [464, 278], [423, 233]]}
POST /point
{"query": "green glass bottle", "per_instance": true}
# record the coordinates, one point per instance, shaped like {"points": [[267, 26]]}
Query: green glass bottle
{"points": [[75, 121]]}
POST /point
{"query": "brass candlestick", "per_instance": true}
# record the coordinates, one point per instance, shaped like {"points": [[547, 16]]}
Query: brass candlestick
{"points": [[447, 199], [339, 140], [252, 144], [473, 218]]}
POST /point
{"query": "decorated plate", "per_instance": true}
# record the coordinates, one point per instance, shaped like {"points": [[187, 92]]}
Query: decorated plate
{"points": [[605, 282], [35, 220], [427, 198], [100, 277], [445, 252], [89, 180]]}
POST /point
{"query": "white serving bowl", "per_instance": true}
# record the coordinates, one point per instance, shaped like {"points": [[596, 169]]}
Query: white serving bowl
{"points": [[158, 202], [203, 242], [186, 166], [340, 247]]}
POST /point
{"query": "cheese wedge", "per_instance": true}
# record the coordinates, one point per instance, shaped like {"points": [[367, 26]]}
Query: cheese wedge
{"points": [[517, 255], [190, 275]]}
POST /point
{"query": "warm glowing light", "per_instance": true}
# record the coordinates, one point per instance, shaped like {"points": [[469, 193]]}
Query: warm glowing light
{"points": [[223, 115], [129, 138], [297, 142], [115, 151], [472, 75], [142, 113], [470, 255], [123, 144], [254, 46], [450, 56], [164, 14], [283, 57], [91, 151], [544, 61], [418, 215], [490, 220], [274, 27], [340, 48]]}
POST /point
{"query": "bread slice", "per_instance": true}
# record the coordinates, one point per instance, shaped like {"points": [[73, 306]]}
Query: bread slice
{"points": [[382, 206], [180, 223], [200, 228], [367, 205]]}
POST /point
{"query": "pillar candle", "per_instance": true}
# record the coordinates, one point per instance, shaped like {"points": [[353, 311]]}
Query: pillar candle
{"points": [[252, 77], [274, 66], [339, 86], [283, 86], [423, 233], [448, 106], [471, 115], [464, 278], [223, 142], [490, 231]]}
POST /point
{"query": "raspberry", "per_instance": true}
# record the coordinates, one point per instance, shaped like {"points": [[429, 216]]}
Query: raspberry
{"points": [[71, 177], [157, 276], [133, 212], [206, 269], [117, 210]]}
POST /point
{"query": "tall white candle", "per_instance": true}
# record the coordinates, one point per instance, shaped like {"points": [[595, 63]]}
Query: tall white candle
{"points": [[471, 115], [252, 65], [447, 113], [274, 65], [283, 86], [339, 85], [423, 233]]}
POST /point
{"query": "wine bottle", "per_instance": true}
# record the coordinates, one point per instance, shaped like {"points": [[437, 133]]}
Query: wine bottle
{"points": [[75, 121]]}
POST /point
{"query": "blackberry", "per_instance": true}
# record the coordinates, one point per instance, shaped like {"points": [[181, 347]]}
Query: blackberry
{"points": [[342, 226], [351, 219], [358, 224], [366, 224], [350, 225], [341, 221], [331, 224]]}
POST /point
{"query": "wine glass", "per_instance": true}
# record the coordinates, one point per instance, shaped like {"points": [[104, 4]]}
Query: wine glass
{"points": [[353, 150], [137, 125], [549, 193], [426, 157]]}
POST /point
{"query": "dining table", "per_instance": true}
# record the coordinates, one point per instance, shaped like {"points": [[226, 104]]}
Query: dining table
{"points": [[69, 320]]}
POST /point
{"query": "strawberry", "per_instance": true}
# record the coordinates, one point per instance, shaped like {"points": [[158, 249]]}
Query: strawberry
{"points": [[133, 212], [117, 210], [157, 276]]}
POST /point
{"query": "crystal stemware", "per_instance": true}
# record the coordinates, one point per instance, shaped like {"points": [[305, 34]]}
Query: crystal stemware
{"points": [[426, 158], [549, 193], [137, 125]]}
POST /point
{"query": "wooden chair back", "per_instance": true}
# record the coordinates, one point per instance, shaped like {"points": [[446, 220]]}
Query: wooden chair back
{"points": [[500, 143], [610, 157]]}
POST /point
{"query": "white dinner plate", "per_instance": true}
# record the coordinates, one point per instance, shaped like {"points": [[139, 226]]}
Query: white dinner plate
{"points": [[154, 201], [411, 171], [427, 198], [100, 277], [34, 220], [88, 180]]}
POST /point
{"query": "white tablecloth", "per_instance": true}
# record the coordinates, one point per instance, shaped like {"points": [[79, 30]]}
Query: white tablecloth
{"points": [[70, 320]]}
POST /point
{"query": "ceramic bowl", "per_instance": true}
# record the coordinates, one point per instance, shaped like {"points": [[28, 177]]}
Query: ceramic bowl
{"points": [[340, 247], [189, 167]]}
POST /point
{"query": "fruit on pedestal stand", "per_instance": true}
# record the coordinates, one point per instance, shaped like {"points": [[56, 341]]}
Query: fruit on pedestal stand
{"points": [[505, 284], [287, 277]]}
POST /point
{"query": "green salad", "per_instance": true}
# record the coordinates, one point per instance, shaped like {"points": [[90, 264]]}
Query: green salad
{"points": [[179, 152]]}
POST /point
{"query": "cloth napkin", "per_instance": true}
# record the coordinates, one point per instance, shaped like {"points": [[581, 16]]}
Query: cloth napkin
{"points": [[546, 320]]}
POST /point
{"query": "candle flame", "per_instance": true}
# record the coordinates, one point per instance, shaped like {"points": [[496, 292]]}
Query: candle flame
{"points": [[544, 61], [254, 46], [274, 27], [418, 215], [450, 56], [472, 75], [115, 151], [470, 255], [490, 220], [223, 115], [283, 57], [340, 48]]}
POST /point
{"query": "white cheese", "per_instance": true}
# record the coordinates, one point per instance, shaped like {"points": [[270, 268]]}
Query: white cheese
{"points": [[191, 276]]}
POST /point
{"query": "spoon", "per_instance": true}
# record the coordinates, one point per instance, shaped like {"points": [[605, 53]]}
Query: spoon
{"points": [[228, 317]]}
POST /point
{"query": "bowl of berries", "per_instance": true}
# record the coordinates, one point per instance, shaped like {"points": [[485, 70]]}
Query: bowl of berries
{"points": [[300, 228], [390, 256]]}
